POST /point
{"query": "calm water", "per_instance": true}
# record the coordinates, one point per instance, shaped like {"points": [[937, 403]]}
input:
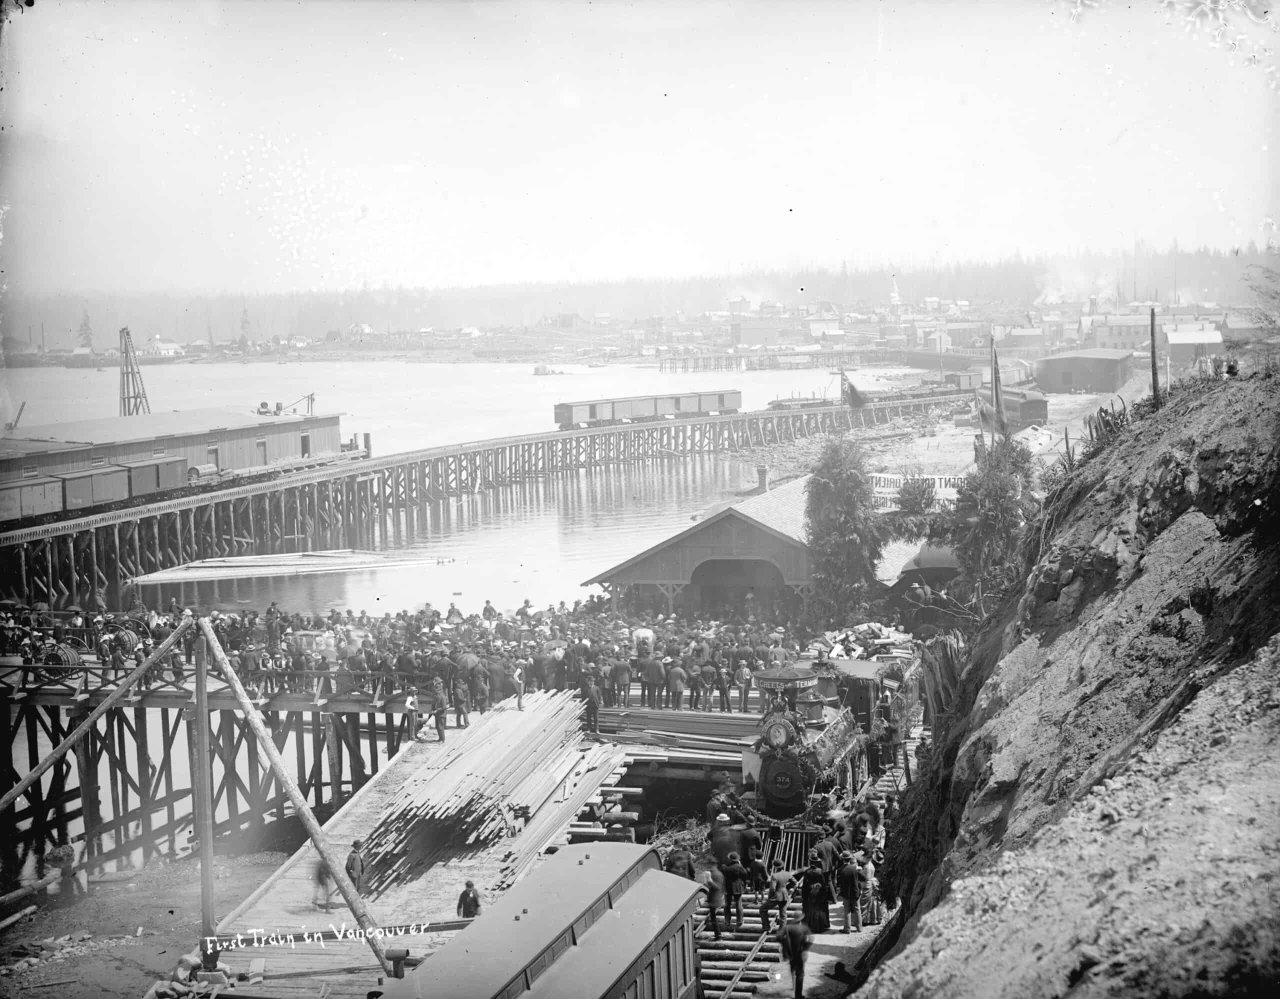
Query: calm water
{"points": [[539, 540]]}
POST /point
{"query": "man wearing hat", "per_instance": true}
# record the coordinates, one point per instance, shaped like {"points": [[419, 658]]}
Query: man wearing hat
{"points": [[411, 709], [796, 939], [653, 677], [735, 881], [850, 881], [591, 698], [469, 902], [676, 679], [355, 866], [515, 674], [777, 895]]}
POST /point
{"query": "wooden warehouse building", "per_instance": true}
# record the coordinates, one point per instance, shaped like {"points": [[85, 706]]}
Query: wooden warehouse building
{"points": [[230, 439], [1092, 370], [751, 555]]}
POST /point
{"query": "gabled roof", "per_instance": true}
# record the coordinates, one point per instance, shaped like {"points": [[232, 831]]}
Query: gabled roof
{"points": [[782, 510], [779, 511]]}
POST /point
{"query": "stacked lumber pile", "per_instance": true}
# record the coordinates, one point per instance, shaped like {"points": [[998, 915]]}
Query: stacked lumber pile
{"points": [[514, 771], [698, 723], [598, 771]]}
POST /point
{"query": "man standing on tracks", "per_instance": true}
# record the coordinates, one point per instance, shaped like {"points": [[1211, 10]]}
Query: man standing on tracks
{"points": [[714, 880], [781, 885], [736, 878], [796, 940]]}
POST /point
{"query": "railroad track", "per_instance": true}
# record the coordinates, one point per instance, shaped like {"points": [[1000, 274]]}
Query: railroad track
{"points": [[735, 966]]}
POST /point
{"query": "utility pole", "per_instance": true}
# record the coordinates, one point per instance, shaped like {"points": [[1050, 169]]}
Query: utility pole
{"points": [[1155, 371], [202, 778]]}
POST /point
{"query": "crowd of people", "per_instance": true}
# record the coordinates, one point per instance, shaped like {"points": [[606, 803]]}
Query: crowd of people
{"points": [[841, 869], [447, 660]]}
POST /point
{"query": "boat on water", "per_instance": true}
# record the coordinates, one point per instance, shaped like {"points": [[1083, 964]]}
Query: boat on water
{"points": [[542, 369]]}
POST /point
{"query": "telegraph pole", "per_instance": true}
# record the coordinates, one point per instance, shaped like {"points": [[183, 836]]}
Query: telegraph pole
{"points": [[1155, 371]]}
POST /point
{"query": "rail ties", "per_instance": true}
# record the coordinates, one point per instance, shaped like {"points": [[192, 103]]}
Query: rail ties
{"points": [[735, 966]]}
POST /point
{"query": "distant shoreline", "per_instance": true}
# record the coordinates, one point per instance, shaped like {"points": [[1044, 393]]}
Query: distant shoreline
{"points": [[413, 357]]}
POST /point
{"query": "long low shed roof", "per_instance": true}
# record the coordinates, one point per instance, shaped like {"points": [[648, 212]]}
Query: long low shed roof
{"points": [[293, 564], [148, 426]]}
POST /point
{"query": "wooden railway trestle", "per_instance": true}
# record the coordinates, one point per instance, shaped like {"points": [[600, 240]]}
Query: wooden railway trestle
{"points": [[125, 792], [363, 504]]}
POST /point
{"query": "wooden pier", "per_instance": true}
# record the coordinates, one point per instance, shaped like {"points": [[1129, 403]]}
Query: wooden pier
{"points": [[370, 503], [762, 361]]}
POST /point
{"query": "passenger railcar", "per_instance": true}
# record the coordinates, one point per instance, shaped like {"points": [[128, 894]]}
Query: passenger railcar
{"points": [[1023, 408], [594, 921], [631, 409]]}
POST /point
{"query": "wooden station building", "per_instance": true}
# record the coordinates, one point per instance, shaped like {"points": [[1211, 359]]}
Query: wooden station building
{"points": [[753, 552]]}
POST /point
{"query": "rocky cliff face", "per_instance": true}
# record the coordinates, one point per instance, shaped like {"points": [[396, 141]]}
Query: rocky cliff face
{"points": [[1102, 816]]}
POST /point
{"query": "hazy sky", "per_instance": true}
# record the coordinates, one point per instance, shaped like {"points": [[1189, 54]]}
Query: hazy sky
{"points": [[272, 146]]}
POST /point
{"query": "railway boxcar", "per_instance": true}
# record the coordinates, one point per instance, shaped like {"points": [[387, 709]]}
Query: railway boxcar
{"points": [[152, 475], [600, 412], [94, 487], [30, 498], [594, 921], [143, 477]]}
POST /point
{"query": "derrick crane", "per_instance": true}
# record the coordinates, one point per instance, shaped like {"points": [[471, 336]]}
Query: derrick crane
{"points": [[133, 394]]}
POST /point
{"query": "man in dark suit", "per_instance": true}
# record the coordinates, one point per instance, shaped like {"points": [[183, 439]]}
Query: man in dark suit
{"points": [[355, 866], [796, 940], [591, 696]]}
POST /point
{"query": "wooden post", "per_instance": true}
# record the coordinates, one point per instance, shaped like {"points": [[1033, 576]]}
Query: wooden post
{"points": [[201, 779], [337, 868], [1155, 371], [335, 759], [143, 776]]}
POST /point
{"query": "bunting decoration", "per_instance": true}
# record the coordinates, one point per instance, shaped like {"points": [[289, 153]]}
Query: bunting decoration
{"points": [[997, 394]]}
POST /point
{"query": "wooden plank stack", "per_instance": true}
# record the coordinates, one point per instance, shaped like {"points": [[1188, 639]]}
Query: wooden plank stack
{"points": [[722, 725], [513, 770]]}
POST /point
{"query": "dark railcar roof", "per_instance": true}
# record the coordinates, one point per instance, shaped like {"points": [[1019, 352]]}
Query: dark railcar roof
{"points": [[482, 959], [610, 946]]}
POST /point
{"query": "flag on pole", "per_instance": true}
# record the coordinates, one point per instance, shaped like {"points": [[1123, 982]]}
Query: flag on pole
{"points": [[849, 394], [997, 394]]}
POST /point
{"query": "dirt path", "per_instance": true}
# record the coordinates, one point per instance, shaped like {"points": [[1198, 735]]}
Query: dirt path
{"points": [[103, 956]]}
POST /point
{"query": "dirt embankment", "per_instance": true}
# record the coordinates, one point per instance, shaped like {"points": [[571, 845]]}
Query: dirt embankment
{"points": [[1102, 815], [116, 942]]}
